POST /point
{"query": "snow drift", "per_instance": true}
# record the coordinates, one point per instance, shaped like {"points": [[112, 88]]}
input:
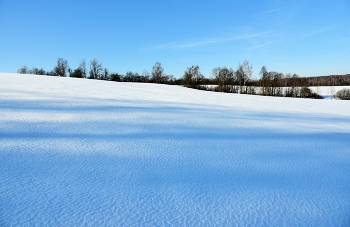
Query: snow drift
{"points": [[79, 152]]}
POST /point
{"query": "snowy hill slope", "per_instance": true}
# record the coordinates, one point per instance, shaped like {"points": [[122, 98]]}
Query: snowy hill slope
{"points": [[85, 152]]}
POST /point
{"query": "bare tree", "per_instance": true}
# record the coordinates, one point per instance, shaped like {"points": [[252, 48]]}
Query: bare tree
{"points": [[243, 74], [95, 69], [192, 77], [79, 72], [105, 74], [265, 81], [170, 78], [215, 72], [82, 68], [23, 70], [279, 84], [145, 76], [37, 71], [224, 79], [295, 85], [157, 72], [276, 83], [61, 68], [286, 84], [187, 79]]}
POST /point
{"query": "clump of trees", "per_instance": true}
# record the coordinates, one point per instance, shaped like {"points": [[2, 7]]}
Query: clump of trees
{"points": [[36, 71], [61, 69], [280, 85], [343, 94], [158, 75], [79, 72], [223, 79], [192, 77], [96, 70]]}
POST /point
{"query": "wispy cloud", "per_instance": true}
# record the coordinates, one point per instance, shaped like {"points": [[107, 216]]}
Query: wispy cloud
{"points": [[266, 12], [186, 45], [176, 45], [316, 32], [259, 46]]}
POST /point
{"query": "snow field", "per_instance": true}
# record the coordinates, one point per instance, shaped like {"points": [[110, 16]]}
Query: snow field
{"points": [[77, 152]]}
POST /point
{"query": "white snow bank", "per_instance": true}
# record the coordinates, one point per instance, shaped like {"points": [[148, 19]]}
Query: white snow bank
{"points": [[328, 92], [86, 152]]}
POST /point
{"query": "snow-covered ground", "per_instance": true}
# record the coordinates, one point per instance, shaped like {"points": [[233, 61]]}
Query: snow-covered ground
{"points": [[78, 152], [328, 92]]}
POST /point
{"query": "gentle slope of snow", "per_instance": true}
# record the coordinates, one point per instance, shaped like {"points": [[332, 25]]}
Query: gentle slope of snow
{"points": [[77, 152]]}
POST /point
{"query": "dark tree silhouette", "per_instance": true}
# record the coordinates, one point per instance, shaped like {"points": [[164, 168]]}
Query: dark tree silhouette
{"points": [[95, 69], [192, 77], [225, 80], [23, 70], [79, 72], [61, 68], [116, 77], [157, 73]]}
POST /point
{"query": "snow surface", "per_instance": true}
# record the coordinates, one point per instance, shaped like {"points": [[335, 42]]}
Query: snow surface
{"points": [[79, 152], [328, 92]]}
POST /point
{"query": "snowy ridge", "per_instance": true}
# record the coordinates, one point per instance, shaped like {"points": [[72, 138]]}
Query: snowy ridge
{"points": [[84, 152]]}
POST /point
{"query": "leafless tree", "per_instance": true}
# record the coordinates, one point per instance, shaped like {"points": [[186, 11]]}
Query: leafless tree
{"points": [[95, 69], [145, 76], [276, 83], [224, 79], [244, 74], [23, 70], [105, 74], [192, 77], [82, 67], [265, 81], [168, 79], [37, 71], [157, 72], [215, 72], [295, 85], [79, 72], [61, 68]]}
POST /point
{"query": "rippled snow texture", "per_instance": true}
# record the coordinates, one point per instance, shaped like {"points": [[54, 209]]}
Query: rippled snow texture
{"points": [[78, 152]]}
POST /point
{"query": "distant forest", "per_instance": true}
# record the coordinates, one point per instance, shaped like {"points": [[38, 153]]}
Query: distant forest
{"points": [[270, 83]]}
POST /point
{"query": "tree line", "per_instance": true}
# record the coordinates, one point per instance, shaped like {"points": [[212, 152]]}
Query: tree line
{"points": [[331, 80], [98, 72], [222, 79]]}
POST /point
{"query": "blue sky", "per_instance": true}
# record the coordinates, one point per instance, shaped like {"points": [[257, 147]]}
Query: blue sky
{"points": [[306, 37]]}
